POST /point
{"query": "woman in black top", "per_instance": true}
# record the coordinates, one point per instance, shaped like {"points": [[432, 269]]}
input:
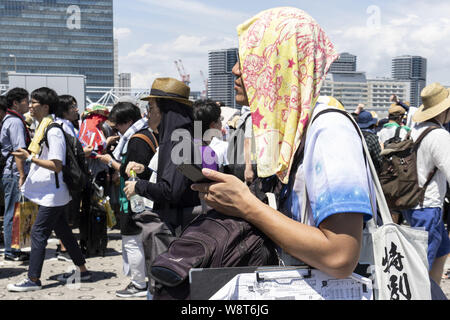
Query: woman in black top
{"points": [[126, 118], [170, 110]]}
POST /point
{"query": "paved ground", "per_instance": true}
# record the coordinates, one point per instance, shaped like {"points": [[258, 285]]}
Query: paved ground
{"points": [[107, 276]]}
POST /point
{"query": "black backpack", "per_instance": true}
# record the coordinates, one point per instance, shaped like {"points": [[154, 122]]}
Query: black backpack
{"points": [[212, 240], [75, 172], [395, 139]]}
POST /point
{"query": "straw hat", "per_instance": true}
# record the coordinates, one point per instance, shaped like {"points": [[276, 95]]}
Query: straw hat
{"points": [[436, 99], [396, 110], [169, 88]]}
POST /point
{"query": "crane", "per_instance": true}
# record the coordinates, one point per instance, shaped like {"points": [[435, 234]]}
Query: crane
{"points": [[205, 81], [186, 78]]}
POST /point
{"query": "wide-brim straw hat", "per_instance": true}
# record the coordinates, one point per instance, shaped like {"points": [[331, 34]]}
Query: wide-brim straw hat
{"points": [[436, 99], [169, 88]]}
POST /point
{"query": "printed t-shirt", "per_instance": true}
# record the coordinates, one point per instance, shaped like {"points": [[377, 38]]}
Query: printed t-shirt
{"points": [[334, 168]]}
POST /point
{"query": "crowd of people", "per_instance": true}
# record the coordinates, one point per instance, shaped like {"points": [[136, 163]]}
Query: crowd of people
{"points": [[283, 59]]}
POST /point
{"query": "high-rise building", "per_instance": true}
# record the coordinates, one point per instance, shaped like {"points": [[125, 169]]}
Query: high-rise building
{"points": [[413, 69], [380, 91], [348, 87], [220, 78], [116, 63], [58, 37], [125, 80], [353, 88], [345, 63]]}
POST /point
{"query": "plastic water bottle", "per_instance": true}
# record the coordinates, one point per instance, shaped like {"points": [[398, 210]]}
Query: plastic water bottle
{"points": [[136, 201]]}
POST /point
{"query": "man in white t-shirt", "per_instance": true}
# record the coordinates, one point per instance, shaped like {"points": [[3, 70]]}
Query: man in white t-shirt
{"points": [[433, 153], [40, 187], [394, 128]]}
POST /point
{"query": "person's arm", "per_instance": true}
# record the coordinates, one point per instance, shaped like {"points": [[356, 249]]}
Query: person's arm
{"points": [[138, 151], [109, 161], [333, 247], [52, 165], [20, 163], [249, 175], [397, 101]]}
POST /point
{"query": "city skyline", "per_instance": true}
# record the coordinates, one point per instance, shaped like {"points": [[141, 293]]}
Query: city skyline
{"points": [[66, 39], [158, 33]]}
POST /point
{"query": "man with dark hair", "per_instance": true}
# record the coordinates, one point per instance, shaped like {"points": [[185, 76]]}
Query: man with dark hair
{"points": [[14, 135], [3, 108], [47, 160]]}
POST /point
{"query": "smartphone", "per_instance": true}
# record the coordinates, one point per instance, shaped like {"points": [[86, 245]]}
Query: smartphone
{"points": [[193, 173]]}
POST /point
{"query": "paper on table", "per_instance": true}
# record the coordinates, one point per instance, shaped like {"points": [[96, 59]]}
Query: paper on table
{"points": [[297, 284]]}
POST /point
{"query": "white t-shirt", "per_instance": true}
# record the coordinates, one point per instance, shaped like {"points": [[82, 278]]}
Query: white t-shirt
{"points": [[434, 151], [40, 185], [389, 130]]}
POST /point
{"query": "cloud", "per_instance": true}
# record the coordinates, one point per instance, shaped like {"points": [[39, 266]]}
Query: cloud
{"points": [[121, 33], [152, 60], [411, 31], [196, 8]]}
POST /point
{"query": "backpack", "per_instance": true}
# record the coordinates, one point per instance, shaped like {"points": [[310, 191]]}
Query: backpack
{"points": [[235, 151], [212, 240], [398, 177], [75, 172], [395, 139]]}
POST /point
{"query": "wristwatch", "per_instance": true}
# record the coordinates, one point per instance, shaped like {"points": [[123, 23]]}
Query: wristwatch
{"points": [[29, 159], [110, 163]]}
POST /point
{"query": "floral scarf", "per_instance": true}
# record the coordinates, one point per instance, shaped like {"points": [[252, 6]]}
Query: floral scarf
{"points": [[285, 56]]}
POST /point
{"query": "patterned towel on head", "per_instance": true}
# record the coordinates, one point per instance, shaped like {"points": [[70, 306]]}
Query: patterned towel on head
{"points": [[285, 56]]}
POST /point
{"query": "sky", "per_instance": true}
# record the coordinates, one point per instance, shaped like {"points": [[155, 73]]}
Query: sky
{"points": [[153, 34]]}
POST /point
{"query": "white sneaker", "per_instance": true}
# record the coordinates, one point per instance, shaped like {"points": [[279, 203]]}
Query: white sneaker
{"points": [[24, 286]]}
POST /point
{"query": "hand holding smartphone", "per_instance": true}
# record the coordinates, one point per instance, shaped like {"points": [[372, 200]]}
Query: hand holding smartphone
{"points": [[193, 173]]}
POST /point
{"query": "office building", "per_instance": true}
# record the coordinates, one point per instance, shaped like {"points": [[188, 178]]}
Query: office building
{"points": [[353, 88], [345, 63], [116, 63], [58, 37], [413, 69], [125, 80], [348, 87], [380, 91], [220, 78]]}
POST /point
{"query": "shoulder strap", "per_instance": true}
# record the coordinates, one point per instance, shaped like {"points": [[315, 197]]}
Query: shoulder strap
{"points": [[397, 132], [435, 170], [153, 144], [423, 135], [51, 126]]}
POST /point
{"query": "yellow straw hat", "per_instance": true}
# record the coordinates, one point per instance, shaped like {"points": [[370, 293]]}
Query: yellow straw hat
{"points": [[169, 88], [436, 99]]}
